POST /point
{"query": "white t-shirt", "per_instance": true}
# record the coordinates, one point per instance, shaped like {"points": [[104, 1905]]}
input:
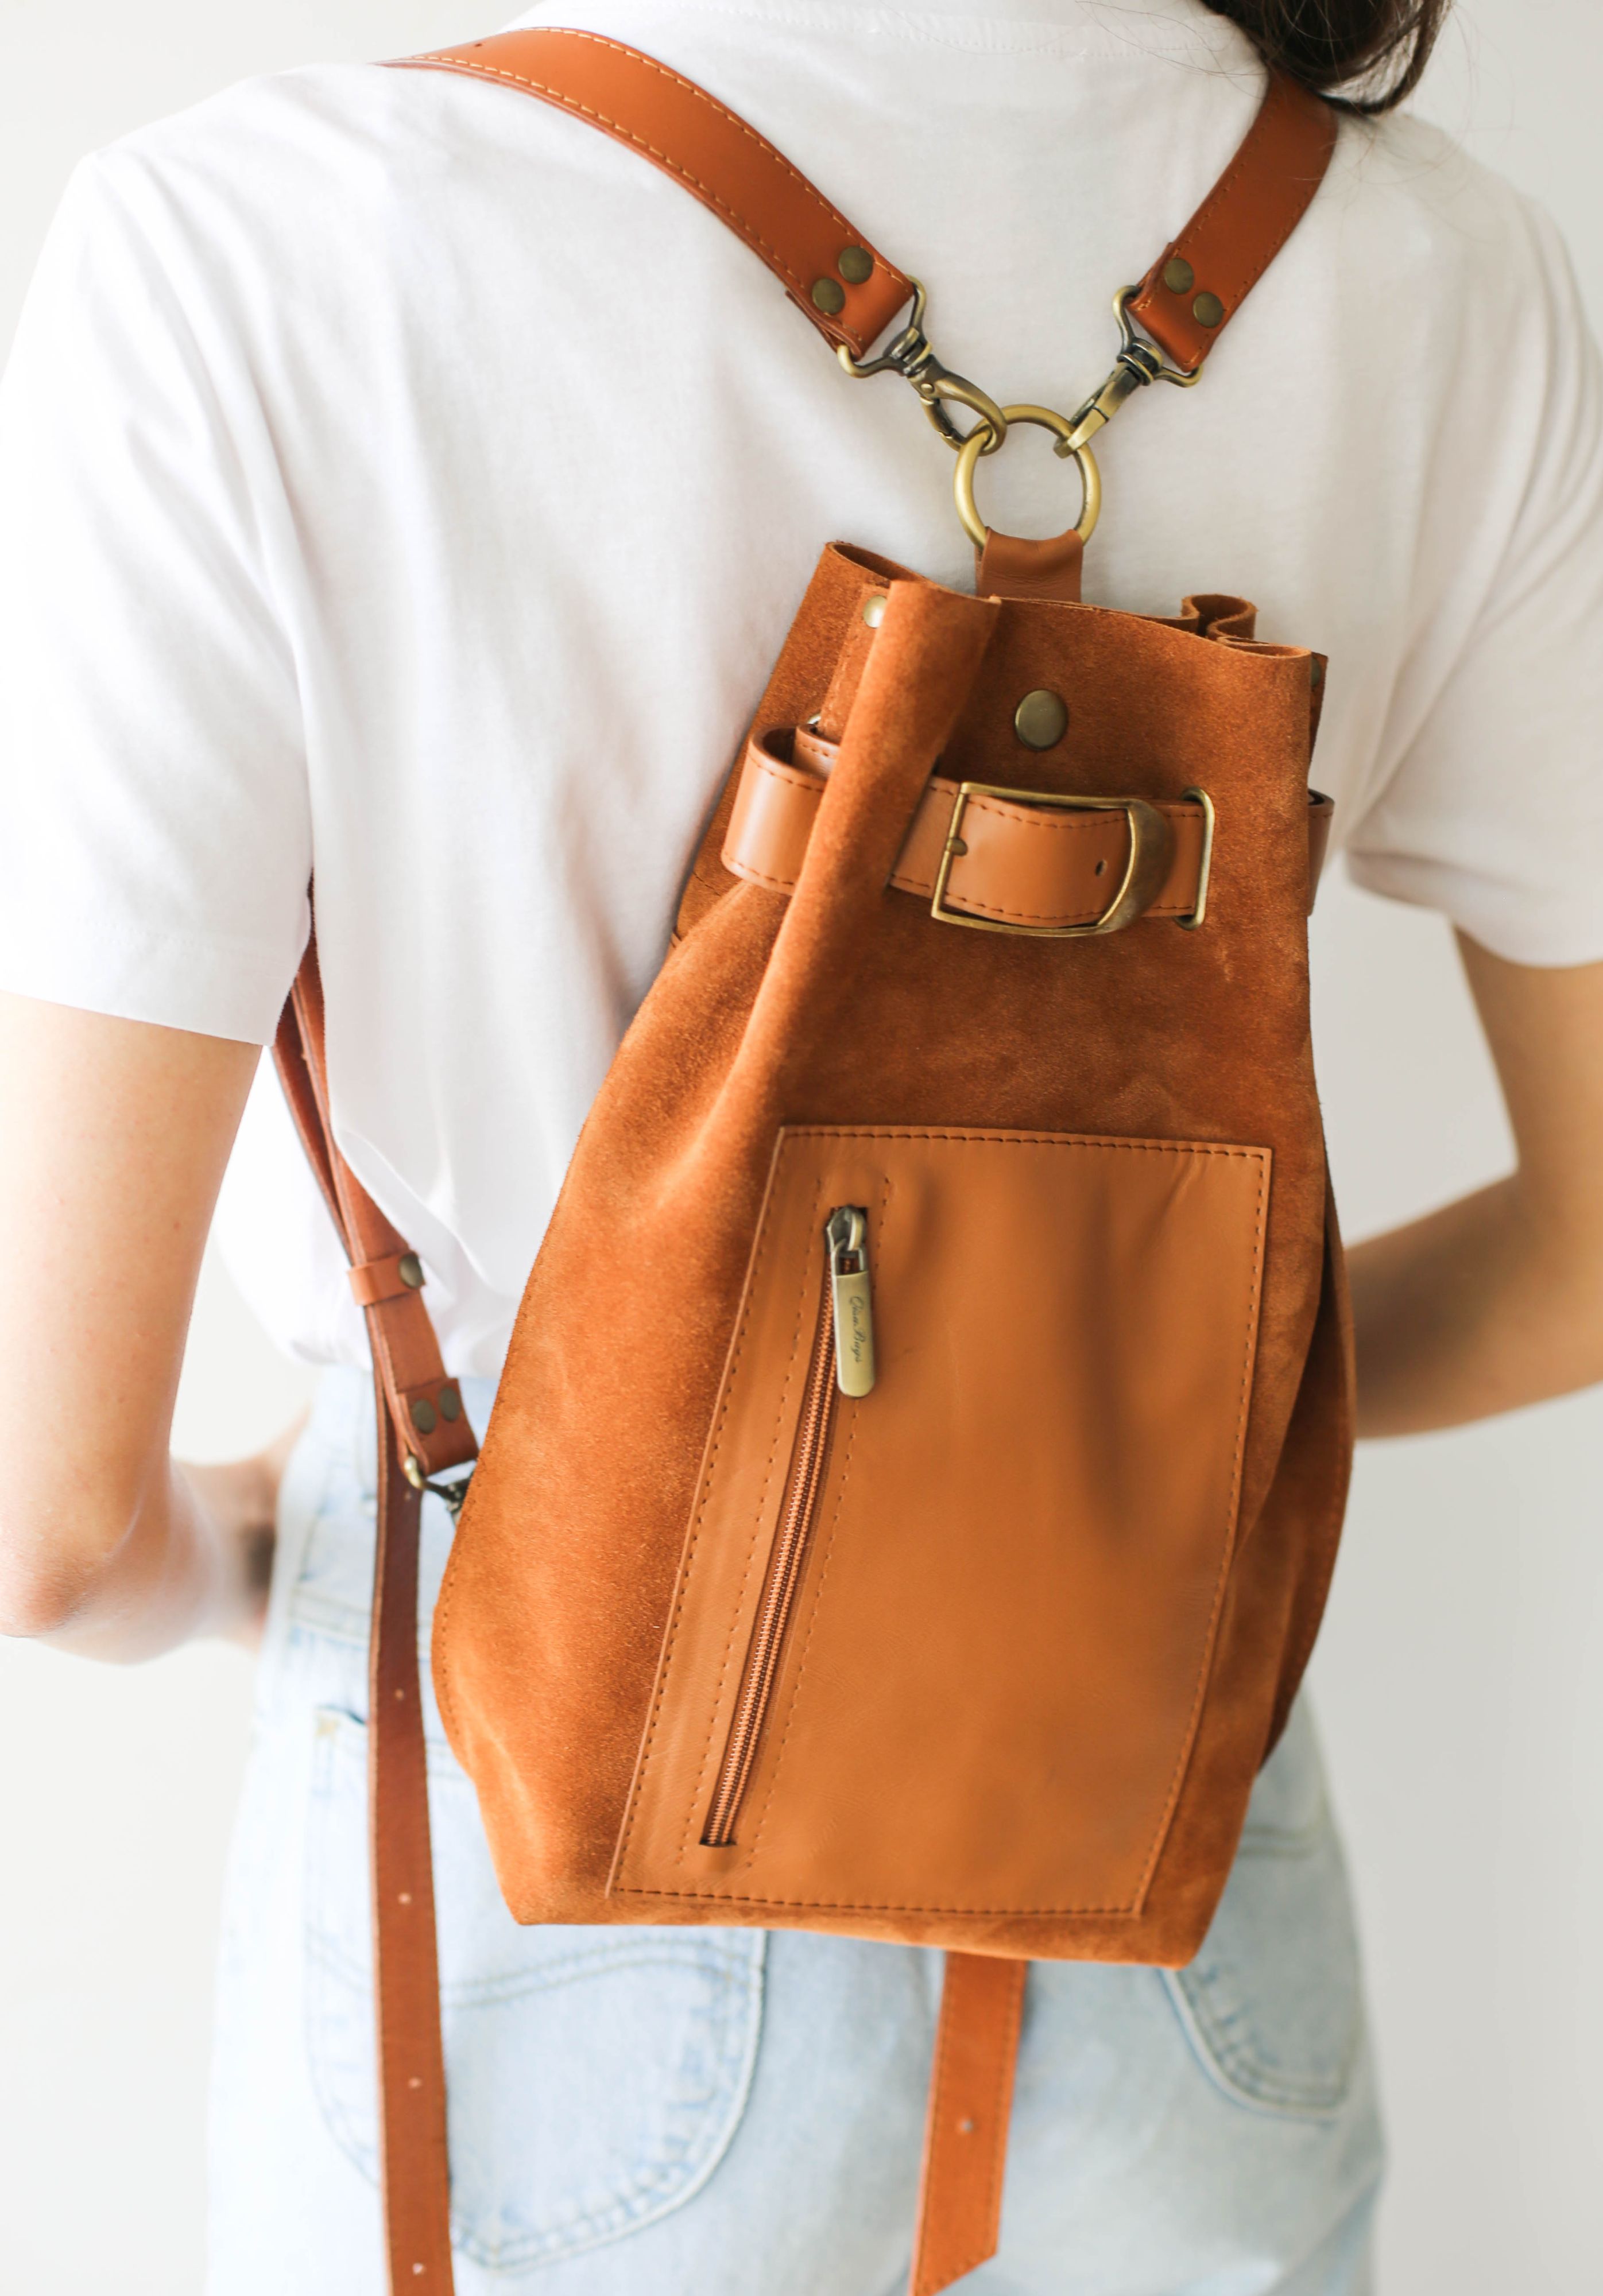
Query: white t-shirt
{"points": [[401, 480]]}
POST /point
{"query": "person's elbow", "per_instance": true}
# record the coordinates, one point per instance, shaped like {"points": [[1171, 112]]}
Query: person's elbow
{"points": [[54, 1572]]}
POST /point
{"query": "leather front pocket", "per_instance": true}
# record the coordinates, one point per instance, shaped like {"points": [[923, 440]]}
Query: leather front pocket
{"points": [[940, 1648]]}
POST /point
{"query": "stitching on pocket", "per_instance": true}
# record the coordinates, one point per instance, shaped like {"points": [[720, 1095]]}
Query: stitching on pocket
{"points": [[963, 1137], [698, 1803]]}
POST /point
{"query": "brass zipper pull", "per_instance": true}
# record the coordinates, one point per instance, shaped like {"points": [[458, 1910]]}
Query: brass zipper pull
{"points": [[846, 1239]]}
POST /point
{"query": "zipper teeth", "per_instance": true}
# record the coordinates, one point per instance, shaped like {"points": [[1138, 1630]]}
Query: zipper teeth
{"points": [[785, 1569]]}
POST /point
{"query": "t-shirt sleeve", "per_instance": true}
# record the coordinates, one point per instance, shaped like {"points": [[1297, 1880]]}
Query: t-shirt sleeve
{"points": [[1493, 810], [156, 848]]}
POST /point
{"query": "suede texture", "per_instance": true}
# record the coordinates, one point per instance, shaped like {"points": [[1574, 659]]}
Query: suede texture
{"points": [[847, 1003]]}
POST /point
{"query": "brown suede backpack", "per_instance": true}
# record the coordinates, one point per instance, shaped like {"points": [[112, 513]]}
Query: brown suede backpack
{"points": [[912, 1493]]}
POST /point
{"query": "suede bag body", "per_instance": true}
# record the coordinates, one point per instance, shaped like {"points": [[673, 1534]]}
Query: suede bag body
{"points": [[1026, 1678]]}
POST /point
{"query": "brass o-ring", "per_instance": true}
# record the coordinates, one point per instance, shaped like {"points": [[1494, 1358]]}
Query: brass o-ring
{"points": [[1046, 419]]}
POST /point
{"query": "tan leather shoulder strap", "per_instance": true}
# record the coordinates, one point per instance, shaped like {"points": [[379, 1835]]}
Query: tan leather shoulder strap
{"points": [[424, 1405], [420, 1416], [825, 264], [413, 2144], [1203, 277], [829, 268]]}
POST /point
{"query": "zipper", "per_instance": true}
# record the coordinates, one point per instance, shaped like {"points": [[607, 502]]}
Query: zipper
{"points": [[842, 1363]]}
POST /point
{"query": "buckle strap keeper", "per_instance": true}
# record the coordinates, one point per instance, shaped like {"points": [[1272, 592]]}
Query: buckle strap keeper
{"points": [[392, 1276]]}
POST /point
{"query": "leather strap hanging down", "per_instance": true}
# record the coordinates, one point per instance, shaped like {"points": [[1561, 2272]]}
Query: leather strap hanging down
{"points": [[970, 2106], [416, 2176], [414, 2142], [850, 293]]}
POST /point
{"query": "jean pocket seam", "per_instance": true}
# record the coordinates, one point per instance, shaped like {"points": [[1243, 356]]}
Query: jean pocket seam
{"points": [[1241, 2074], [641, 2180]]}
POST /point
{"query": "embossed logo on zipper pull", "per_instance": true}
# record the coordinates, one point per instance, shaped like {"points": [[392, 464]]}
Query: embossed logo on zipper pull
{"points": [[847, 1237]]}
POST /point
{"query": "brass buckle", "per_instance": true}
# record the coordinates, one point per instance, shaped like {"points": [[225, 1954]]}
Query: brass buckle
{"points": [[1151, 848], [1205, 868]]}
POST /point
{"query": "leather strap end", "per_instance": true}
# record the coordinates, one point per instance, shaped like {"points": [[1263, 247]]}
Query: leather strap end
{"points": [[412, 2116], [431, 1423], [971, 2105], [1205, 274]]}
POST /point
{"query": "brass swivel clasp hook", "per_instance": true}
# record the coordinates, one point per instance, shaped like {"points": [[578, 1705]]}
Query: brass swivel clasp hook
{"points": [[1138, 363], [910, 355]]}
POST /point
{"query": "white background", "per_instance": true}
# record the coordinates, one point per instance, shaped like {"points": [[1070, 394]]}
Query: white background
{"points": [[1461, 1679]]}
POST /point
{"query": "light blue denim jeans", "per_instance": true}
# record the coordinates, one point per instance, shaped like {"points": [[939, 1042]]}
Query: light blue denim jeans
{"points": [[715, 2113]]}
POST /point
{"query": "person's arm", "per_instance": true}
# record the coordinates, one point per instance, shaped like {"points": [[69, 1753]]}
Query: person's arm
{"points": [[113, 1137], [1497, 1301]]}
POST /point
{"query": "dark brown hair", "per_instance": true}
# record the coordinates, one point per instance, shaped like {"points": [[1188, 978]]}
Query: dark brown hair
{"points": [[1369, 53]]}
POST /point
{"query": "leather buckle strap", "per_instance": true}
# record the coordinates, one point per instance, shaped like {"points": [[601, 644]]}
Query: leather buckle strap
{"points": [[1151, 851], [1032, 861]]}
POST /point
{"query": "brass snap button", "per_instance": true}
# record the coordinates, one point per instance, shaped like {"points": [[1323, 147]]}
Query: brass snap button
{"points": [[1042, 719]]}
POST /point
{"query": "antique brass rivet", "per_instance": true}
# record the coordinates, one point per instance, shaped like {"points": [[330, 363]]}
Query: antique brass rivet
{"points": [[873, 610], [1178, 277], [409, 1268], [855, 264], [1042, 719], [450, 1403], [829, 295], [1207, 310], [424, 1417]]}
